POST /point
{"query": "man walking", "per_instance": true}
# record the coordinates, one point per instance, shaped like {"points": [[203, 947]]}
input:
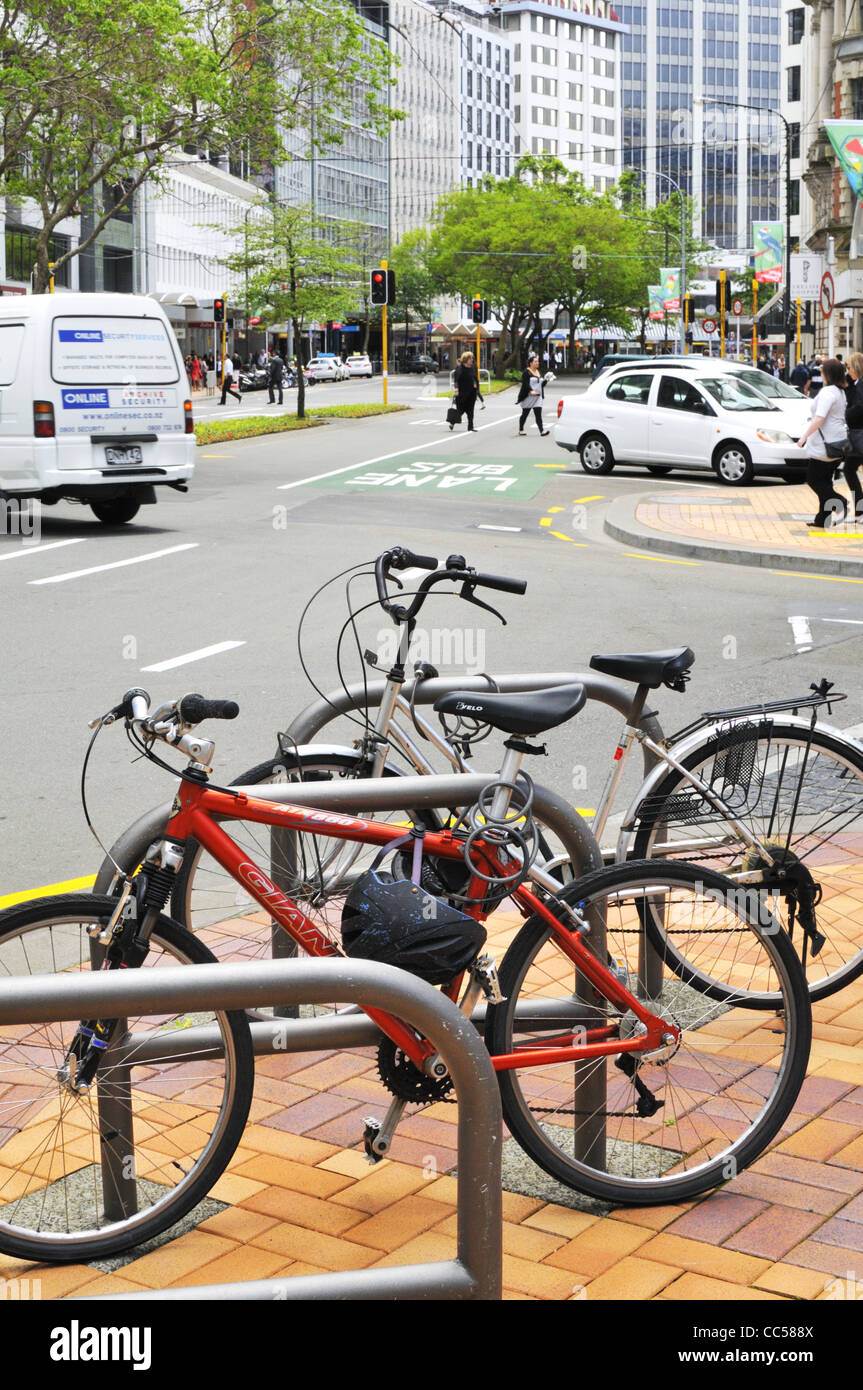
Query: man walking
{"points": [[228, 380], [276, 378]]}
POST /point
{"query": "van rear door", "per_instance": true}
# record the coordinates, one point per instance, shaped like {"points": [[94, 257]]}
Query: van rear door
{"points": [[119, 391]]}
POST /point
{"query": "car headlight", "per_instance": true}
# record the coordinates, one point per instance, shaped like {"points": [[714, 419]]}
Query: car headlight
{"points": [[774, 436]]}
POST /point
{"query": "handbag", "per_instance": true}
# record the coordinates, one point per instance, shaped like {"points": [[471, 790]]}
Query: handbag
{"points": [[839, 450], [453, 415]]}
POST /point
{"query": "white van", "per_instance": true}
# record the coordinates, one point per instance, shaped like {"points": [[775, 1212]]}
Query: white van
{"points": [[94, 402]]}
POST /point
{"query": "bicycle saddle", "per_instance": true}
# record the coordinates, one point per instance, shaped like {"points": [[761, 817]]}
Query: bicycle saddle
{"points": [[530, 712], [648, 668]]}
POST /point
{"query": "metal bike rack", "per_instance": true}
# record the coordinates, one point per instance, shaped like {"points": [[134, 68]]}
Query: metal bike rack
{"points": [[475, 1274]]}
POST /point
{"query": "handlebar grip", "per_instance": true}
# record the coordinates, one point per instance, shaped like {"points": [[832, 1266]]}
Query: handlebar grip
{"points": [[499, 581], [194, 709], [408, 560]]}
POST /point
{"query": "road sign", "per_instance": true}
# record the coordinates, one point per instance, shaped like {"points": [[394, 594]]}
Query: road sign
{"points": [[709, 326], [737, 307], [827, 294], [256, 318], [806, 273]]}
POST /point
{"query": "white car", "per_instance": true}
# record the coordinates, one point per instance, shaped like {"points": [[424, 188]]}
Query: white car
{"points": [[359, 364], [323, 369], [778, 392], [667, 417]]}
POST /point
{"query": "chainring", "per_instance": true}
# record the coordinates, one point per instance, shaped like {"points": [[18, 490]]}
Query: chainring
{"points": [[403, 1080]]}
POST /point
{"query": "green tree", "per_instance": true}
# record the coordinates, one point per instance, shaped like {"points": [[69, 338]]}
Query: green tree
{"points": [[98, 94], [519, 243], [294, 269]]}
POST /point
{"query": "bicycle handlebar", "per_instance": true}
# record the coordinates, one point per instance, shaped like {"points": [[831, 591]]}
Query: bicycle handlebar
{"points": [[194, 709], [456, 569]]}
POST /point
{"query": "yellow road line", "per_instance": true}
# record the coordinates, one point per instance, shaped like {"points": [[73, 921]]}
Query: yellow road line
{"points": [[558, 467], [830, 578], [545, 521], [71, 885], [552, 510], [660, 559], [561, 537], [597, 497]]}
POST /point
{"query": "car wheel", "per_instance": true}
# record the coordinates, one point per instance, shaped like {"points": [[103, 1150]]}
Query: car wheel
{"points": [[733, 465], [115, 511], [659, 470], [596, 455]]}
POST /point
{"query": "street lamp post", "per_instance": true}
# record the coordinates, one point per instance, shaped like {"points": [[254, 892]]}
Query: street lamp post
{"points": [[659, 174], [786, 297]]}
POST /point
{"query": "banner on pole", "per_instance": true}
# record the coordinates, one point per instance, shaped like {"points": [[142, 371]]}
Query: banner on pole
{"points": [[654, 298], [670, 277], [846, 137], [768, 238]]}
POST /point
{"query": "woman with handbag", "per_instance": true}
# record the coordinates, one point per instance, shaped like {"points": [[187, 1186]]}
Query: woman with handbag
{"points": [[467, 393], [854, 421], [530, 395], [825, 440]]}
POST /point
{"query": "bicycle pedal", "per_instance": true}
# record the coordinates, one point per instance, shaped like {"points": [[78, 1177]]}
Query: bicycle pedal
{"points": [[484, 971], [370, 1134]]}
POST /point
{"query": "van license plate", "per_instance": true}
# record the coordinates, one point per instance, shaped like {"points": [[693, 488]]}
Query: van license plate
{"points": [[131, 453]]}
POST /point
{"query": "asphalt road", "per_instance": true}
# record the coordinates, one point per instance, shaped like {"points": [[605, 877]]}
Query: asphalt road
{"points": [[207, 591]]}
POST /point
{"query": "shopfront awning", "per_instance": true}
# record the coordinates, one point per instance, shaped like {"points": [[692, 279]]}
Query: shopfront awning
{"points": [[182, 298]]}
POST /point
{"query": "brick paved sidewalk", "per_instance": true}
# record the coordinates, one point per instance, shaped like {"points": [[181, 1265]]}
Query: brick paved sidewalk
{"points": [[759, 518], [300, 1198]]}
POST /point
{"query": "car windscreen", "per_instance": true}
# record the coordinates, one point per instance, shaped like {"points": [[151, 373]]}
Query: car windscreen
{"points": [[769, 386], [733, 394], [111, 350]]}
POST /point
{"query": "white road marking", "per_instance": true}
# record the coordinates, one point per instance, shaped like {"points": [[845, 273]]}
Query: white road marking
{"points": [[199, 655], [802, 633], [485, 526], [40, 549], [115, 565], [853, 622], [414, 449]]}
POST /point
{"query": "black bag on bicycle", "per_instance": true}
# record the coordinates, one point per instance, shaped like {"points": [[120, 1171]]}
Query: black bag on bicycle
{"points": [[396, 922]]}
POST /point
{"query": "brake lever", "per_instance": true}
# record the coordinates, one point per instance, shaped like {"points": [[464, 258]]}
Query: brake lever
{"points": [[469, 596]]}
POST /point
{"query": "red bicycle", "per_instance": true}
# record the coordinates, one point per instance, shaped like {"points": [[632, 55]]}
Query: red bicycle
{"points": [[624, 1071]]}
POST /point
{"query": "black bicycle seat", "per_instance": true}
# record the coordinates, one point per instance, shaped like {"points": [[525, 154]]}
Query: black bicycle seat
{"points": [[529, 712], [646, 668]]}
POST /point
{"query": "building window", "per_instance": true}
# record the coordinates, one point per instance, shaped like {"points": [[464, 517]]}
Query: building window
{"points": [[856, 99], [576, 61], [575, 91], [796, 25], [21, 254], [545, 86], [794, 197], [576, 120], [603, 96], [575, 151], [470, 82], [794, 84], [794, 139]]}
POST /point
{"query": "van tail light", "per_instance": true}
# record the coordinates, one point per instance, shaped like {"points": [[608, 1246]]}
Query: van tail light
{"points": [[43, 420], [559, 409], [190, 423]]}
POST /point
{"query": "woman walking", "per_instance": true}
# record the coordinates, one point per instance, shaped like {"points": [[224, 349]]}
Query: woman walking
{"points": [[826, 429], [466, 383], [530, 395], [854, 421]]}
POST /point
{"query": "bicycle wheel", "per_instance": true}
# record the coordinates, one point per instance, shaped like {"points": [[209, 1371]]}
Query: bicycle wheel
{"points": [[315, 871], [800, 791], [670, 1126], [71, 1187]]}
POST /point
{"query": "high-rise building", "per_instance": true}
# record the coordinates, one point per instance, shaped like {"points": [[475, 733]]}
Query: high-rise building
{"points": [[455, 85], [566, 88], [701, 96]]}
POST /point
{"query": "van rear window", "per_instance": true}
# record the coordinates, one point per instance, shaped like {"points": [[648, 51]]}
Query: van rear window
{"points": [[11, 339], [113, 351]]}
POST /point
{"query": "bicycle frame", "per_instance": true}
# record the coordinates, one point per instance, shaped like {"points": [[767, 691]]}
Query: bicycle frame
{"points": [[192, 817]]}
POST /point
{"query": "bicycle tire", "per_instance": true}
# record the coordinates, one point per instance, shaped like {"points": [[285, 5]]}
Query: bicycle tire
{"points": [[822, 827], [53, 1199], [723, 1094]]}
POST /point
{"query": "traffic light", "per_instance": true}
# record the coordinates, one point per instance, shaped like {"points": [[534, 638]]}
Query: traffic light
{"points": [[480, 310], [383, 287], [218, 311]]}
